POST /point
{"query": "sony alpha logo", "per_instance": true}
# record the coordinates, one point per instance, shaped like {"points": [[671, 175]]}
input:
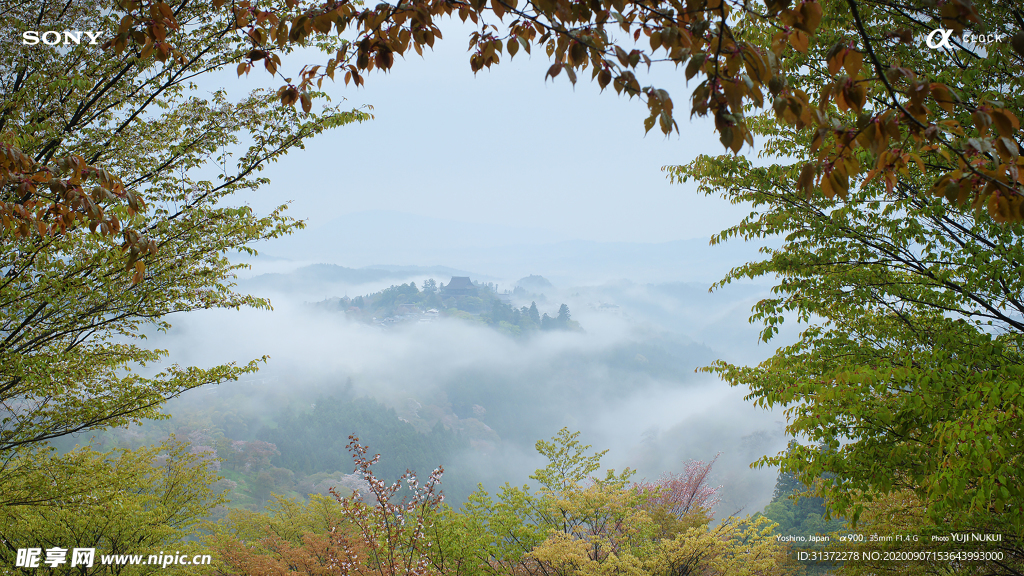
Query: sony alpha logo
{"points": [[939, 38], [53, 38]]}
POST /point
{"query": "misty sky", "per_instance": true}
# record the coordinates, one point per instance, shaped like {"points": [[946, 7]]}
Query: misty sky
{"points": [[502, 148]]}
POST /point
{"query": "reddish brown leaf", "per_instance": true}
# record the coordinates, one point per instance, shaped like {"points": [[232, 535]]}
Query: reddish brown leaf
{"points": [[799, 41]]}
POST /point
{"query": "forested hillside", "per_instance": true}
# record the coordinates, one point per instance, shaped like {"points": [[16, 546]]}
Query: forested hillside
{"points": [[406, 527], [473, 302], [285, 432]]}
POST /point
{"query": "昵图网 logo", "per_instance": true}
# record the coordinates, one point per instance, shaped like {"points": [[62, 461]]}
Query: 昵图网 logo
{"points": [[53, 38]]}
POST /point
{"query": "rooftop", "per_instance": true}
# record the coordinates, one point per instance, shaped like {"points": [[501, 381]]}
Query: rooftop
{"points": [[460, 283]]}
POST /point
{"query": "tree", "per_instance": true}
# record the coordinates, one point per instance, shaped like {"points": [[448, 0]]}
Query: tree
{"points": [[114, 217], [895, 143], [256, 454], [563, 315], [501, 312], [533, 314], [907, 375], [287, 538], [681, 500], [922, 391], [393, 533], [369, 532], [902, 513], [547, 322], [736, 546], [116, 184], [575, 523], [798, 501], [902, 140], [119, 503], [796, 511]]}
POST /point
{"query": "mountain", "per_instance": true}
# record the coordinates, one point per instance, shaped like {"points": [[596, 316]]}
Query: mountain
{"points": [[369, 238], [327, 280]]}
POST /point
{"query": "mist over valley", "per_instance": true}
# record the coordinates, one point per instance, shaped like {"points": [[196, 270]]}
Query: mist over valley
{"points": [[426, 377]]}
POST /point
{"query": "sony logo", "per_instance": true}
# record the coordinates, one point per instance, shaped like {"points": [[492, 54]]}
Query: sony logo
{"points": [[52, 38]]}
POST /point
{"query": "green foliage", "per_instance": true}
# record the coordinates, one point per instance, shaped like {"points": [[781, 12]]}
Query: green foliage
{"points": [[486, 536], [120, 502], [288, 537], [532, 314], [100, 267], [912, 376], [72, 318], [388, 298], [903, 514], [282, 517], [568, 465], [796, 512], [310, 440], [573, 524], [907, 375], [297, 449], [525, 319], [576, 524]]}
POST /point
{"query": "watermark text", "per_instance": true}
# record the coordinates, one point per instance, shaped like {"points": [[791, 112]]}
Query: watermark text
{"points": [[65, 38], [86, 557]]}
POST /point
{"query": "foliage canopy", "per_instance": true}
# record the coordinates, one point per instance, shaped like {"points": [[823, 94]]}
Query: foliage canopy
{"points": [[907, 377], [89, 259], [116, 178], [573, 524]]}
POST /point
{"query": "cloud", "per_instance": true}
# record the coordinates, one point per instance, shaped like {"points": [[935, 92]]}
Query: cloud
{"points": [[627, 383]]}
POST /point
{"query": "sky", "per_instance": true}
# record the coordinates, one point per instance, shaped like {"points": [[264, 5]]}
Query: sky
{"points": [[504, 148]]}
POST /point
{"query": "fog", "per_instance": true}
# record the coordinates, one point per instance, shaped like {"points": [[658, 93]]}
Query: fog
{"points": [[494, 250], [627, 380]]}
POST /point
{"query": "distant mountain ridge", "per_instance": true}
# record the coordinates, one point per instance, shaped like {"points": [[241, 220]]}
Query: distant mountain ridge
{"points": [[367, 238], [330, 276]]}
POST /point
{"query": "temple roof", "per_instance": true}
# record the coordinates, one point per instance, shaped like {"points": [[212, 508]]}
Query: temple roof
{"points": [[460, 283]]}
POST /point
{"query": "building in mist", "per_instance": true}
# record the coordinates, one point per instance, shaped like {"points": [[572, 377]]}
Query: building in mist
{"points": [[460, 286]]}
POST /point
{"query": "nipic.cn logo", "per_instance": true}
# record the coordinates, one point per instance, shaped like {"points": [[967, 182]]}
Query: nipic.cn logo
{"points": [[939, 38]]}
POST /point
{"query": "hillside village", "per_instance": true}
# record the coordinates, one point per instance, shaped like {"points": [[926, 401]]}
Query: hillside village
{"points": [[459, 298]]}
